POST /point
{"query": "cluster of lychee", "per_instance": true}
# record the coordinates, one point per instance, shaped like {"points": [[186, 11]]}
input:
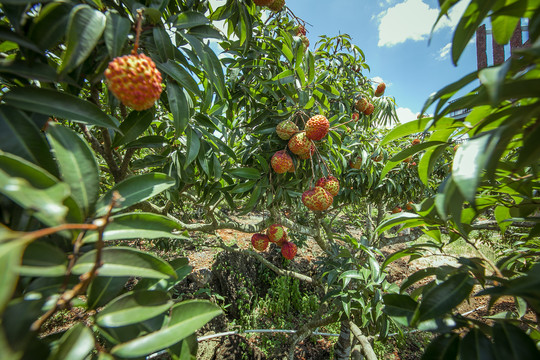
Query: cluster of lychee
{"points": [[277, 235], [301, 32], [364, 106], [398, 209], [274, 5]]}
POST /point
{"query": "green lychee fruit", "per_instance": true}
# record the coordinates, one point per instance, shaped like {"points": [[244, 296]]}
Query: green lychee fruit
{"points": [[317, 199], [134, 80], [330, 184], [361, 105], [356, 162], [281, 162], [275, 232], [286, 129], [299, 143], [369, 109], [317, 127], [380, 89], [308, 154]]}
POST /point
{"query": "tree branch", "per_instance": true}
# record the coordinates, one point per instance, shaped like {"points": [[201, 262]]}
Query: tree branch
{"points": [[366, 345]]}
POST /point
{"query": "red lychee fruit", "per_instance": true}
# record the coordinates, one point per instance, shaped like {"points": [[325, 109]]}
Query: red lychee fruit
{"points": [[288, 250], [330, 184], [286, 129], [300, 30], [361, 105], [378, 158], [259, 242], [305, 41], [355, 116], [407, 160], [299, 143], [134, 80], [275, 232], [262, 2], [380, 89], [369, 109], [415, 141], [317, 127], [317, 199], [409, 206], [282, 240], [396, 210], [308, 154], [276, 5], [356, 162], [281, 162]]}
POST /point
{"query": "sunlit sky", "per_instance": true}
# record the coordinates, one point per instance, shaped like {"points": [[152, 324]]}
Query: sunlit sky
{"points": [[394, 36]]}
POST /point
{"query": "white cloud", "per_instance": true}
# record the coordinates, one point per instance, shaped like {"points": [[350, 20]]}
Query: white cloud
{"points": [[377, 79], [413, 20], [444, 51], [405, 115]]}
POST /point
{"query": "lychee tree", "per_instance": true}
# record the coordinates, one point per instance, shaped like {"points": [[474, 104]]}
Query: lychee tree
{"points": [[84, 149]]}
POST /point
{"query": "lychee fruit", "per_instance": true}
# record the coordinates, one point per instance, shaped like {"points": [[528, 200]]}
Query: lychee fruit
{"points": [[380, 89], [378, 158], [308, 154], [300, 30], [134, 80], [275, 232], [396, 210], [262, 2], [356, 163], [407, 160], [317, 199], [288, 250], [415, 141], [276, 5], [259, 242], [299, 143], [355, 116], [361, 105], [369, 109], [409, 206], [282, 240], [286, 129], [330, 184], [281, 162], [317, 127], [305, 40]]}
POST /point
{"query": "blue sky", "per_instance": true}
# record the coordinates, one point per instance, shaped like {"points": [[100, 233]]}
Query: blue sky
{"points": [[394, 37]]}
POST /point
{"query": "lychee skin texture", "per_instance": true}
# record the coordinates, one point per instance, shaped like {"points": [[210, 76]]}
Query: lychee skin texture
{"points": [[300, 30], [380, 89], [134, 80], [317, 199], [286, 129], [369, 109], [356, 163], [259, 242], [275, 232], [415, 141], [361, 105], [281, 162], [308, 154], [396, 210], [330, 184], [263, 2], [317, 127], [409, 206], [299, 143], [276, 5], [355, 116], [288, 250], [282, 240]]}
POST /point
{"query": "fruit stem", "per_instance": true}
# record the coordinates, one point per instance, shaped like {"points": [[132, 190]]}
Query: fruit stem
{"points": [[137, 31]]}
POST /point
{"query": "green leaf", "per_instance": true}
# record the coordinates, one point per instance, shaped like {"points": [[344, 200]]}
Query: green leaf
{"points": [[75, 344], [189, 19], [42, 259], [116, 32], [179, 105], [193, 145], [476, 346], [137, 226], [246, 173], [511, 342], [10, 257], [77, 164], [493, 79], [400, 307], [428, 161], [133, 308], [54, 103], [50, 26], [124, 261], [181, 76], [445, 296], [443, 347], [45, 204], [148, 142], [19, 135], [418, 126], [505, 19], [83, 33], [164, 46], [406, 218], [7, 34], [186, 318], [502, 214], [103, 289], [135, 189], [134, 125], [530, 152]]}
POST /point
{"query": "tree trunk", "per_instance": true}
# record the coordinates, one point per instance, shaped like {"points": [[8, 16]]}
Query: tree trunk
{"points": [[342, 349]]}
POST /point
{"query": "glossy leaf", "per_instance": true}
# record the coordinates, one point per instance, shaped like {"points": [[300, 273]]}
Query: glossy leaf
{"points": [[400, 307], [124, 261], [75, 344], [138, 225], [42, 259], [134, 125], [511, 342], [54, 103], [116, 31], [77, 164], [84, 30], [179, 105], [186, 318], [133, 308], [189, 19], [50, 26], [246, 173], [103, 289], [181, 76], [135, 189], [444, 347], [10, 257], [476, 346], [148, 142]]}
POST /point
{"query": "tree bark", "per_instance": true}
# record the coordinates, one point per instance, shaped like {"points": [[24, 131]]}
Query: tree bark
{"points": [[342, 349], [364, 342]]}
